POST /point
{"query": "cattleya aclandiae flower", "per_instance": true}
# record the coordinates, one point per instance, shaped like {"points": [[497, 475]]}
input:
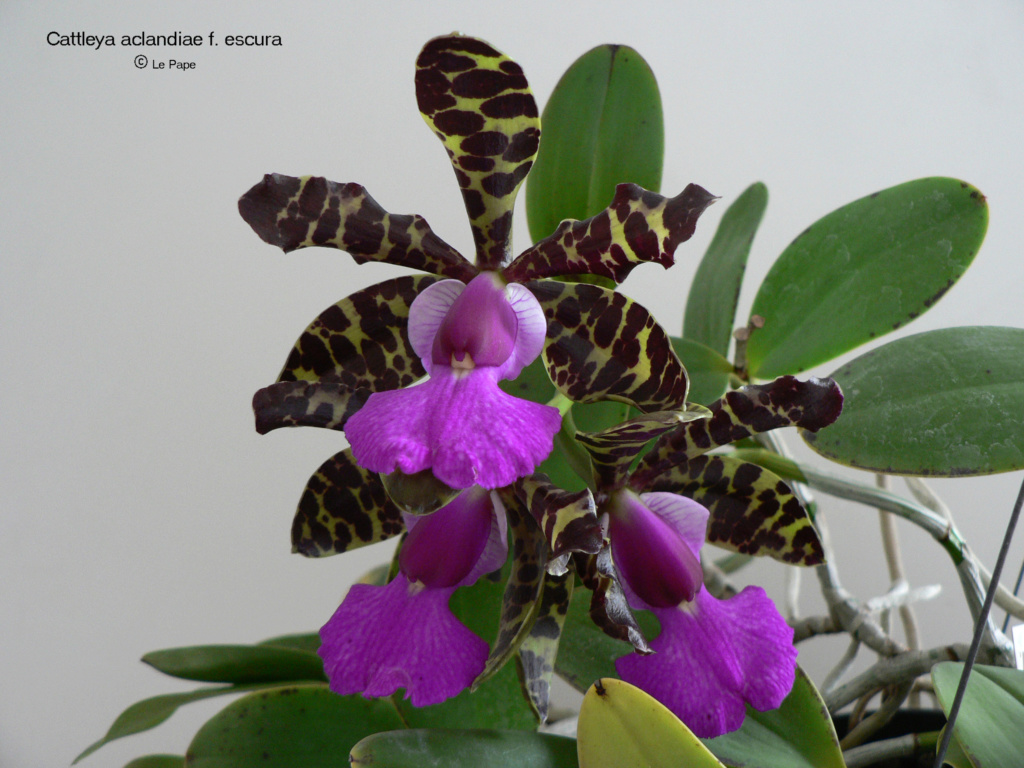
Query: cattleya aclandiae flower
{"points": [[478, 102], [711, 656], [359, 366], [403, 635]]}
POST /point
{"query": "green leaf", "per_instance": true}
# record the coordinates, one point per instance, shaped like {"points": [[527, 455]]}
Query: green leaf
{"points": [[585, 653], [304, 726], [621, 725], [715, 290], [149, 713], [458, 748], [307, 641], [863, 271], [988, 724], [239, 664], [603, 125], [799, 734], [158, 761], [945, 403], [708, 371]]}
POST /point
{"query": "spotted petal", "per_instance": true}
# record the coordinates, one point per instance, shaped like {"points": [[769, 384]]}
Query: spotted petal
{"points": [[602, 345], [613, 450], [292, 212], [638, 226], [785, 402], [362, 342], [539, 649], [477, 101], [523, 589], [306, 404], [343, 507], [569, 520], [752, 510], [608, 607]]}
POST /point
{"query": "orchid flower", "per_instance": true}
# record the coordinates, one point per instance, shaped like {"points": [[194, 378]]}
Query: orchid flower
{"points": [[364, 348], [403, 635], [712, 657]]}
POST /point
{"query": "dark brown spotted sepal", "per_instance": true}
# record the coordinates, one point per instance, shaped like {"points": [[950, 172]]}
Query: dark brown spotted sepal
{"points": [[292, 213], [478, 103], [753, 511], [750, 410], [637, 227], [601, 345], [568, 519], [343, 507], [608, 607], [613, 450], [523, 589], [362, 342], [536, 656], [306, 404]]}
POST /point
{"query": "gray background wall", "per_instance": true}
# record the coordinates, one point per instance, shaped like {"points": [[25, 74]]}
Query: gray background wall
{"points": [[138, 313]]}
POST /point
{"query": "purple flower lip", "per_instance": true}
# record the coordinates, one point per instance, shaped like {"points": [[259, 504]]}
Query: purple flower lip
{"points": [[655, 562]]}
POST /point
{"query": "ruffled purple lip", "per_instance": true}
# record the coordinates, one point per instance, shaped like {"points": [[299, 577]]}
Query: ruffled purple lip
{"points": [[712, 657], [459, 423]]}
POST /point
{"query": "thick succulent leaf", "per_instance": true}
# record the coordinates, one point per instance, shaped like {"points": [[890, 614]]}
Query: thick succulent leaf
{"points": [[497, 703], [864, 270], [238, 664], [608, 607], [343, 507], [799, 734], [568, 520], [622, 725], [946, 403], [306, 404], [307, 641], [603, 125], [613, 450], [293, 213], [149, 713], [638, 226], [752, 510], [157, 761], [539, 649], [988, 724], [464, 748], [585, 651], [478, 103], [362, 342], [304, 726], [602, 345], [715, 290], [523, 589], [750, 410], [708, 371]]}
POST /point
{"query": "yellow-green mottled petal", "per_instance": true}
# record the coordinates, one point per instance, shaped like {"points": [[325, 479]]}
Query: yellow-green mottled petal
{"points": [[602, 345], [293, 213], [539, 649], [478, 103], [343, 507], [753, 511]]}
